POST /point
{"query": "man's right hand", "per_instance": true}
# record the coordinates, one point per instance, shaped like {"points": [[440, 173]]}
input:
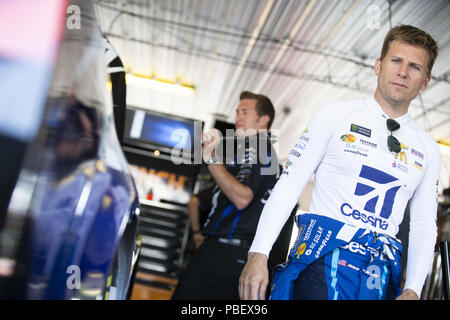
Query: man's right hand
{"points": [[211, 140], [254, 278]]}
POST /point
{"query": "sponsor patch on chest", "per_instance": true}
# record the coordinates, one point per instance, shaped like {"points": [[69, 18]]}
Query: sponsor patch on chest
{"points": [[361, 130]]}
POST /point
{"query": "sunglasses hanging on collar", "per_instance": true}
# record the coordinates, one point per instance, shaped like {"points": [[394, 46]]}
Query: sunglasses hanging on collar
{"points": [[392, 142]]}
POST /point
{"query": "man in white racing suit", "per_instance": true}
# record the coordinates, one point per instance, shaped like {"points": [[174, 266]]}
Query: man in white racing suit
{"points": [[369, 158]]}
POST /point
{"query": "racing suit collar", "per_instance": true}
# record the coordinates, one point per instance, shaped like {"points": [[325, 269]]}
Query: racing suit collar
{"points": [[376, 109]]}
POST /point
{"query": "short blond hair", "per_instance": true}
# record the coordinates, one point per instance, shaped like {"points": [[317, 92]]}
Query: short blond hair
{"points": [[413, 36]]}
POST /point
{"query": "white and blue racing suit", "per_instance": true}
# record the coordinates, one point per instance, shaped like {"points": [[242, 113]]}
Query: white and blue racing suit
{"points": [[359, 182]]}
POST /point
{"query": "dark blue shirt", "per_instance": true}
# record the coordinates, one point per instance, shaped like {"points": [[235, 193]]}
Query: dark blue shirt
{"points": [[255, 165]]}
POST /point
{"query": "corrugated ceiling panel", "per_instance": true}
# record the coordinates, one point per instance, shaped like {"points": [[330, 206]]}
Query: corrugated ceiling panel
{"points": [[225, 46]]}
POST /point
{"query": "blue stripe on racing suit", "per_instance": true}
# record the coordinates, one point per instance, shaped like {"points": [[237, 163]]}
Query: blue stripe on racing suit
{"points": [[320, 236]]}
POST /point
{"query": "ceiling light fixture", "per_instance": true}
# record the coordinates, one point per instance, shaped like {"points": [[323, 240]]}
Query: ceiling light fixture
{"points": [[445, 148], [175, 87]]}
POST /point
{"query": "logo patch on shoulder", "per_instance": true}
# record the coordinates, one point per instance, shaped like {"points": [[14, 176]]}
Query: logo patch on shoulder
{"points": [[361, 130]]}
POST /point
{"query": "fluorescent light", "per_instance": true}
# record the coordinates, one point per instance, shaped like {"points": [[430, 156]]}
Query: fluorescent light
{"points": [[159, 84], [445, 148]]}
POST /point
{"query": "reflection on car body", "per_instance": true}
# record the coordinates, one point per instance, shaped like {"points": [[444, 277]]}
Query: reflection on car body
{"points": [[70, 229]]}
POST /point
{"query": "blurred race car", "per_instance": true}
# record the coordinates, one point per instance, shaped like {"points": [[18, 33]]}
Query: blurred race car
{"points": [[68, 203]]}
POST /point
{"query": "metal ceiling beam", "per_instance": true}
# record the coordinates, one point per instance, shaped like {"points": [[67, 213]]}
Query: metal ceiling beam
{"points": [[439, 124], [248, 49], [210, 70], [290, 87], [185, 59], [250, 64], [433, 108], [285, 46]]}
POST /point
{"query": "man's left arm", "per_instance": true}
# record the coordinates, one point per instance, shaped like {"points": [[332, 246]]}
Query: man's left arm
{"points": [[423, 229]]}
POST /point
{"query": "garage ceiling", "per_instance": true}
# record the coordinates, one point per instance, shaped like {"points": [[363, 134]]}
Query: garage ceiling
{"points": [[299, 53]]}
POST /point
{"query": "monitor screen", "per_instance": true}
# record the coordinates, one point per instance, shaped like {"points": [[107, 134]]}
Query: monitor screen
{"points": [[159, 130]]}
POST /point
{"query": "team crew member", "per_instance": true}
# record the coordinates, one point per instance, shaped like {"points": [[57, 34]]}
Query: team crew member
{"points": [[369, 158], [234, 204]]}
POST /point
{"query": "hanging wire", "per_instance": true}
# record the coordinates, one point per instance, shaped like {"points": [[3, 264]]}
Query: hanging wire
{"points": [[424, 115], [390, 2]]}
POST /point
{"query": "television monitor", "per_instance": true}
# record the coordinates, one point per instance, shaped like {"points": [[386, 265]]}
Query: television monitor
{"points": [[153, 130]]}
